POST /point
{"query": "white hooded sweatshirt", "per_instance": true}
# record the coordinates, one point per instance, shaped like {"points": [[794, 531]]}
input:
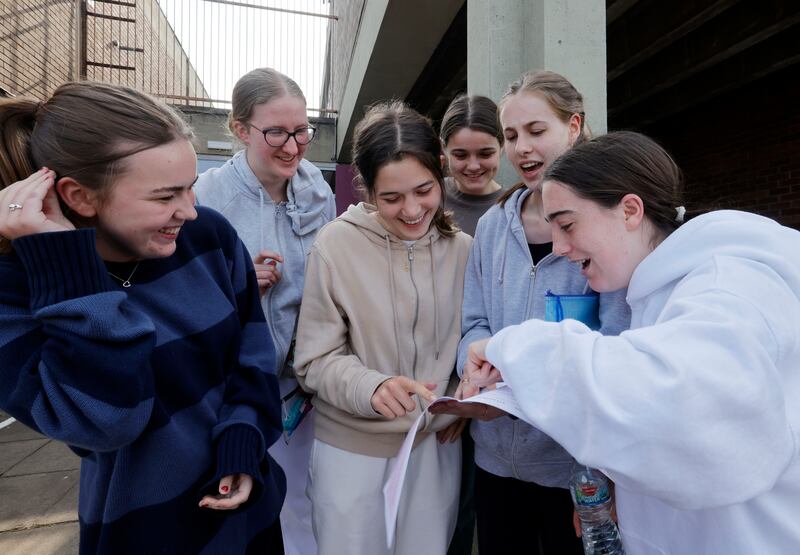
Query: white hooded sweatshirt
{"points": [[694, 412]]}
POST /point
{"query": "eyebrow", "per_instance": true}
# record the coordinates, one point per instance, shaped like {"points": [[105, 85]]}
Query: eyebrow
{"points": [[389, 193], [174, 188], [526, 124], [554, 215]]}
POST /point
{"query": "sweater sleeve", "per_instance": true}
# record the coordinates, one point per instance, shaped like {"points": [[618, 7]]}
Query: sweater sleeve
{"points": [[324, 363], [474, 313], [689, 410], [615, 314], [249, 420], [76, 354]]}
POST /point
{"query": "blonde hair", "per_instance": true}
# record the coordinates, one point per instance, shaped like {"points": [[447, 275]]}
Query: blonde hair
{"points": [[259, 87]]}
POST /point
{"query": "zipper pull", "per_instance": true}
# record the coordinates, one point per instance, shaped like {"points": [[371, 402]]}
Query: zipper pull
{"points": [[410, 253], [533, 272]]}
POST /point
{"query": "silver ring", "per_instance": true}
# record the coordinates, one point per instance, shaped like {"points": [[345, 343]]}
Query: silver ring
{"points": [[14, 206]]}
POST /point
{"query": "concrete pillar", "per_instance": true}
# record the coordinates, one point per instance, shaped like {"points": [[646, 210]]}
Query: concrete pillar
{"points": [[509, 37]]}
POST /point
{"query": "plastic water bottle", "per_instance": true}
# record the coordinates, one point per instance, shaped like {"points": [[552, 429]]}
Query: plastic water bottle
{"points": [[592, 498]]}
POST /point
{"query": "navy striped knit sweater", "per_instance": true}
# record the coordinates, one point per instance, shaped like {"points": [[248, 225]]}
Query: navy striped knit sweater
{"points": [[162, 388]]}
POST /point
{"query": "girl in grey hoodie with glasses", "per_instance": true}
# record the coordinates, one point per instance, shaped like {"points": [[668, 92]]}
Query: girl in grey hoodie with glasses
{"points": [[277, 202]]}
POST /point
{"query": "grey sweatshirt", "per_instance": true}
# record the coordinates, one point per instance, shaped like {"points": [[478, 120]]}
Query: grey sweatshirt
{"points": [[288, 228], [501, 288]]}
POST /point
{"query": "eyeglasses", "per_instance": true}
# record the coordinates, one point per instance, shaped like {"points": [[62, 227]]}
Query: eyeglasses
{"points": [[275, 136]]}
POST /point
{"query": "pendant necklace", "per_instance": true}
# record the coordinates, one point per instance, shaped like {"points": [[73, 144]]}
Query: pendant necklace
{"points": [[126, 282]]}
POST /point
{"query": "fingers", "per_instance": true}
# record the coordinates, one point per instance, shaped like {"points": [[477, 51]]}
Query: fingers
{"points": [[264, 256], [238, 486], [23, 210], [576, 523], [393, 398], [267, 275]]}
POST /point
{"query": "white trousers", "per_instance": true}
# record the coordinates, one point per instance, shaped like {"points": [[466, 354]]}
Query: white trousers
{"points": [[346, 491], [296, 528]]}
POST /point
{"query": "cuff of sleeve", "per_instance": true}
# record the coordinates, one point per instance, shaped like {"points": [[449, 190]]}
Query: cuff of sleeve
{"points": [[61, 265], [238, 449], [367, 385]]}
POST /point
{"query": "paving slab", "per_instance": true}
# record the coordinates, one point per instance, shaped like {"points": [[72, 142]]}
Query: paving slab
{"points": [[17, 432], [58, 539], [13, 452], [52, 456], [31, 500]]}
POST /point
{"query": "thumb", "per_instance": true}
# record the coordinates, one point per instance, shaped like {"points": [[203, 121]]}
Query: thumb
{"points": [[430, 385], [260, 258], [225, 485]]}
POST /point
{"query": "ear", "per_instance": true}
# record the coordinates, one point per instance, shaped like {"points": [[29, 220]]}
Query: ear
{"points": [[574, 125], [242, 132], [78, 198], [443, 160], [633, 211]]}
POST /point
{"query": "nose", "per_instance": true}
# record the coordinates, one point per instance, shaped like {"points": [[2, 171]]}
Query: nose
{"points": [[411, 206], [291, 146], [561, 246], [186, 209], [523, 145], [473, 163]]}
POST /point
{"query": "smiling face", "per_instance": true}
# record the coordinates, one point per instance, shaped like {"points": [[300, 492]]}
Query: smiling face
{"points": [[607, 243], [535, 135], [473, 157], [146, 206], [274, 165], [407, 196]]}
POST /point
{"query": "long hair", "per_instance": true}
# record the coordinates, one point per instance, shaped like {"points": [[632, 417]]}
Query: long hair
{"points": [[390, 132], [562, 97], [611, 166], [83, 131]]}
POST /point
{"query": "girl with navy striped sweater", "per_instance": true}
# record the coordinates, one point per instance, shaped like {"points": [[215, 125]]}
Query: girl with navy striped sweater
{"points": [[131, 328]]}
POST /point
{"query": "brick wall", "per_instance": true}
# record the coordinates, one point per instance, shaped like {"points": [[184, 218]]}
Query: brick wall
{"points": [[38, 48], [37, 45], [345, 31], [742, 149]]}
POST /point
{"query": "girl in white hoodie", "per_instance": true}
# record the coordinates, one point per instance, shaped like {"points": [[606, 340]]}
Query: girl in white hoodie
{"points": [[377, 338], [693, 412]]}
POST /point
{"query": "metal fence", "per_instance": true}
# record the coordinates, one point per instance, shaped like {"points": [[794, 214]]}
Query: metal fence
{"points": [[191, 52]]}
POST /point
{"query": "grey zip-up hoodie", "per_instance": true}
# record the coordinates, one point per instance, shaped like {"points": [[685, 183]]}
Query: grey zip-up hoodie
{"points": [[502, 287], [288, 228]]}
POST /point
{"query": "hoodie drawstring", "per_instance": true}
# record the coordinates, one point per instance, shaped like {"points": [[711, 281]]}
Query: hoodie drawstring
{"points": [[435, 301], [394, 308]]}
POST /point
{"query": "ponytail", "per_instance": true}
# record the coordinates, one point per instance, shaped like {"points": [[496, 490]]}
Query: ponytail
{"points": [[17, 119]]}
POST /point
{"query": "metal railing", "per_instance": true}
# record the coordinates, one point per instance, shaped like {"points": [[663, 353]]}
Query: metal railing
{"points": [[191, 52]]}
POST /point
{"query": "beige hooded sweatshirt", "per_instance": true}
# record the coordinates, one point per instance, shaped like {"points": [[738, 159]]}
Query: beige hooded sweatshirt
{"points": [[374, 307]]}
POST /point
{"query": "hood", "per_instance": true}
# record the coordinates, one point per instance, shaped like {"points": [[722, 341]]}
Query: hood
{"points": [[365, 217], [308, 201], [721, 233]]}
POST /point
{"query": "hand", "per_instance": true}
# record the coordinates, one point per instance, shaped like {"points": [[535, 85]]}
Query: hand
{"points": [[267, 273], [393, 399], [31, 206], [478, 372], [576, 523], [452, 432], [233, 491]]}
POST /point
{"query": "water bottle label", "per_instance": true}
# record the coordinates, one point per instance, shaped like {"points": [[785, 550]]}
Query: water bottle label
{"points": [[590, 494]]}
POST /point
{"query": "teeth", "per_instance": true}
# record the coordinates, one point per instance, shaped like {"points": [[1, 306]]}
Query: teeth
{"points": [[169, 230], [413, 222], [530, 165]]}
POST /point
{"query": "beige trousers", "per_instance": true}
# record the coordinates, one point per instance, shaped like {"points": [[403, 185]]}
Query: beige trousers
{"points": [[346, 491]]}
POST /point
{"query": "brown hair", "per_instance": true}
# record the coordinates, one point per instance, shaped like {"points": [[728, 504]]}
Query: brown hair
{"points": [[611, 166], [563, 98], [83, 131], [478, 113], [259, 87], [389, 132]]}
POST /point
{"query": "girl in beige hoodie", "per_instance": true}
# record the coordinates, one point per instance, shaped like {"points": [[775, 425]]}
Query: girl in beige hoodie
{"points": [[377, 337]]}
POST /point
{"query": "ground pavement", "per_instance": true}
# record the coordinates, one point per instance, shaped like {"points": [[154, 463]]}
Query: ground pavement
{"points": [[38, 493]]}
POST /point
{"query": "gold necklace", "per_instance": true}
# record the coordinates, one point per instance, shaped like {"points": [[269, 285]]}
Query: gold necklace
{"points": [[126, 282]]}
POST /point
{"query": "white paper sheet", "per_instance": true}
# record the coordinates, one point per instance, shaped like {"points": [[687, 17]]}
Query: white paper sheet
{"points": [[501, 398]]}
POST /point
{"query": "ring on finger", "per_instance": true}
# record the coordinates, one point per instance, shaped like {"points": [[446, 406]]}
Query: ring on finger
{"points": [[14, 206], [465, 379]]}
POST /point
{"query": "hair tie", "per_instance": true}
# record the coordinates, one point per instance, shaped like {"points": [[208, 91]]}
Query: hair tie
{"points": [[681, 212]]}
